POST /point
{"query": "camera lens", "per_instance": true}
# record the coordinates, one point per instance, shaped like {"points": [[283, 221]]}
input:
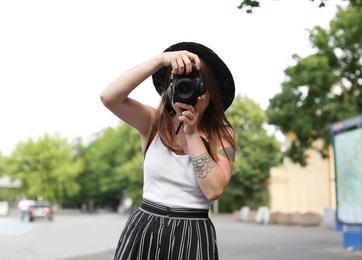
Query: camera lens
{"points": [[184, 89]]}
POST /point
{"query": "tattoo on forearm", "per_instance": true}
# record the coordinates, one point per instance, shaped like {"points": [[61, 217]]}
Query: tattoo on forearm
{"points": [[230, 152], [203, 164]]}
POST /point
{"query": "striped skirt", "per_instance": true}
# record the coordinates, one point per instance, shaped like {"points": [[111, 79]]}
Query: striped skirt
{"points": [[155, 232]]}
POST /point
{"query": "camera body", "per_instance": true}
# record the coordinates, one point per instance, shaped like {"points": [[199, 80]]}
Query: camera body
{"points": [[186, 88]]}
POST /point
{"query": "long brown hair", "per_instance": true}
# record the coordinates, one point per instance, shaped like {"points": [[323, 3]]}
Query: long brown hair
{"points": [[214, 123]]}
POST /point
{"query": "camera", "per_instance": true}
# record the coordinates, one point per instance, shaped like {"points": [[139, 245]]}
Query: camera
{"points": [[186, 88]]}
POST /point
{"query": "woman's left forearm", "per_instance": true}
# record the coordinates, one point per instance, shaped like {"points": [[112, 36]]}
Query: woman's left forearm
{"points": [[210, 176]]}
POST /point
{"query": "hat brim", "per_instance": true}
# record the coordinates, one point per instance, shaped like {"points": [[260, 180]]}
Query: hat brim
{"points": [[222, 73]]}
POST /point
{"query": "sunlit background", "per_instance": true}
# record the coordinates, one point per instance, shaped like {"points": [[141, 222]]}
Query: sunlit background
{"points": [[57, 56]]}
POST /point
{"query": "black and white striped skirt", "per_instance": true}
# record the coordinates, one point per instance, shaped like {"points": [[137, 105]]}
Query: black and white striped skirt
{"points": [[156, 232]]}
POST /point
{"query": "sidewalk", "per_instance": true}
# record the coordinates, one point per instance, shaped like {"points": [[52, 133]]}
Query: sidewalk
{"points": [[239, 240], [11, 227]]}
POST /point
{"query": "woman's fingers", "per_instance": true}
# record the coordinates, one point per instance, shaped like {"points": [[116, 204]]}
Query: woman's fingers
{"points": [[181, 61]]}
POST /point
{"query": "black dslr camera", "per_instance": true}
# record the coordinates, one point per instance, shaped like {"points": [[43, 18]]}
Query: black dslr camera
{"points": [[186, 88]]}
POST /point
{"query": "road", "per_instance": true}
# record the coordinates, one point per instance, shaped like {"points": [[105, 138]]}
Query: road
{"points": [[66, 236], [94, 237]]}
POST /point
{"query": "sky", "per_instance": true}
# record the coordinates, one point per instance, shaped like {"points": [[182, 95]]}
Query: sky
{"points": [[56, 57]]}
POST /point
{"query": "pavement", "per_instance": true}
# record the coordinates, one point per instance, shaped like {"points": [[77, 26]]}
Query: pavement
{"points": [[238, 240], [94, 237], [11, 227]]}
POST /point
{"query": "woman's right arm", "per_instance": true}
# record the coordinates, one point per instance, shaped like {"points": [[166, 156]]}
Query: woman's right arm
{"points": [[115, 96], [140, 116]]}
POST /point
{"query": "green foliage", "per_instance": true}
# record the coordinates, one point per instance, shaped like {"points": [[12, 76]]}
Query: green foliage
{"points": [[113, 162], [322, 88], [6, 194], [98, 173], [4, 167], [249, 5], [46, 168], [258, 152]]}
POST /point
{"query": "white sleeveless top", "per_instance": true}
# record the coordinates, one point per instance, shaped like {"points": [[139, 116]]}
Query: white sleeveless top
{"points": [[170, 180]]}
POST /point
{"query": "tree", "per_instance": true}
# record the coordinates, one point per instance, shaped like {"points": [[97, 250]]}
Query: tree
{"points": [[113, 162], [7, 194], [322, 88], [113, 166], [249, 5], [46, 168], [258, 152]]}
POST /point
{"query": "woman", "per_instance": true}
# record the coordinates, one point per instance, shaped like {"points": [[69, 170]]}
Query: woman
{"points": [[189, 150]]}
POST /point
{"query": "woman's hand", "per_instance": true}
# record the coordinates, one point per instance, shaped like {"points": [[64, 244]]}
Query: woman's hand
{"points": [[189, 116], [180, 61]]}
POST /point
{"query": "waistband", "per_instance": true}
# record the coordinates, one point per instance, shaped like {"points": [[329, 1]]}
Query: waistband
{"points": [[157, 209]]}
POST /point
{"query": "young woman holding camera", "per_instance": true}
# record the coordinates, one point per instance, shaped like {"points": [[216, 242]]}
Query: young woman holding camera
{"points": [[189, 150]]}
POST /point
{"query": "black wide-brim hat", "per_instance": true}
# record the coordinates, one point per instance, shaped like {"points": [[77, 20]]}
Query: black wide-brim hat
{"points": [[222, 73]]}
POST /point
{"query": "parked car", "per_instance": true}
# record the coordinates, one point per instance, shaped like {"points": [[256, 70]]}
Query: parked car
{"points": [[41, 211], [4, 208]]}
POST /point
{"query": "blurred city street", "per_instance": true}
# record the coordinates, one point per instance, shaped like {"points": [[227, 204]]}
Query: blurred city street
{"points": [[94, 237]]}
